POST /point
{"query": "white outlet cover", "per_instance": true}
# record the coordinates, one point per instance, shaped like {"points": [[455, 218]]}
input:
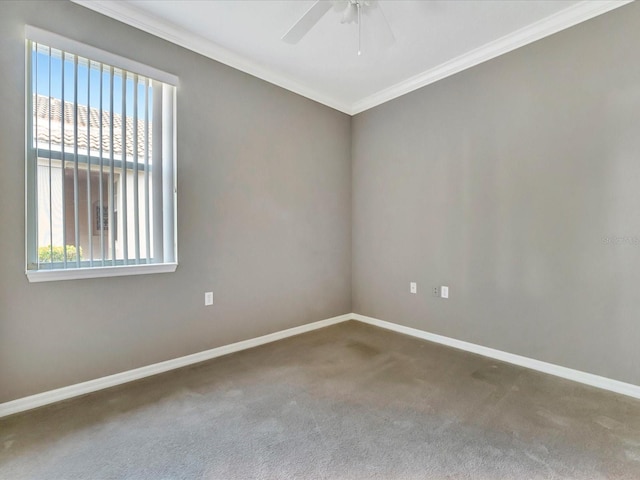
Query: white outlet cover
{"points": [[208, 298], [413, 287], [444, 292]]}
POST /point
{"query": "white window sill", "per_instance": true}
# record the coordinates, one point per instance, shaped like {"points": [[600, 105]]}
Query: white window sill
{"points": [[36, 276]]}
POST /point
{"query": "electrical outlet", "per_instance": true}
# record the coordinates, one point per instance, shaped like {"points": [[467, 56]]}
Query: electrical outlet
{"points": [[413, 287], [208, 298], [436, 292]]}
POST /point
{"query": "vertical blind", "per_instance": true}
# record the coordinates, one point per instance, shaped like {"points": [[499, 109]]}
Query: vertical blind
{"points": [[100, 159]]}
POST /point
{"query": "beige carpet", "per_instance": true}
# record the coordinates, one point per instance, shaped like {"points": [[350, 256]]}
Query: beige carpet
{"points": [[349, 401]]}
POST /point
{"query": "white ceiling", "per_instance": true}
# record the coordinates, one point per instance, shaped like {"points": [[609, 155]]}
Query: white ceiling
{"points": [[434, 39]]}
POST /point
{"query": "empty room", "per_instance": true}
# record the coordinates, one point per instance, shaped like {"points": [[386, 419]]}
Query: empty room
{"points": [[344, 239]]}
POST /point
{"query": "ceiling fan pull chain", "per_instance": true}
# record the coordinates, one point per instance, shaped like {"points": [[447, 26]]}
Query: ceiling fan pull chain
{"points": [[359, 29]]}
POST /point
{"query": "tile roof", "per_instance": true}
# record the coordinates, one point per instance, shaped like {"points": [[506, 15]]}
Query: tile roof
{"points": [[49, 108]]}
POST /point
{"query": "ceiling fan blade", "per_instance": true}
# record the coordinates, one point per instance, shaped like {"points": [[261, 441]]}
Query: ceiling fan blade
{"points": [[307, 21], [376, 26]]}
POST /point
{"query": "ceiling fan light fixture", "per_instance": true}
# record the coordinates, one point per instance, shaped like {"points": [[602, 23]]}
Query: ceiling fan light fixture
{"points": [[350, 14]]}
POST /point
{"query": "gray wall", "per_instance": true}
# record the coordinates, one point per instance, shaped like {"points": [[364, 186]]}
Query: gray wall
{"points": [[264, 220], [502, 182]]}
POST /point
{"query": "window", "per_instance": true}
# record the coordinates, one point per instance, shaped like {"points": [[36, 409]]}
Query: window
{"points": [[100, 163]]}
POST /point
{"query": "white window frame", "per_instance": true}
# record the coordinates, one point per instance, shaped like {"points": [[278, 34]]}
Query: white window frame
{"points": [[169, 169]]}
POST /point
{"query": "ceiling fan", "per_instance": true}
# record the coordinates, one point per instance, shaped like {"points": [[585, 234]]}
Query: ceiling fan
{"points": [[352, 12]]}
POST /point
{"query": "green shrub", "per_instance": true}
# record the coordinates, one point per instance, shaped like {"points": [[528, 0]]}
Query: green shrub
{"points": [[45, 254]]}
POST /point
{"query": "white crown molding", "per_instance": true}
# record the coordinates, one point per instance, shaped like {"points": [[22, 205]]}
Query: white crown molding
{"points": [[562, 20], [126, 13], [550, 368], [566, 18], [64, 393]]}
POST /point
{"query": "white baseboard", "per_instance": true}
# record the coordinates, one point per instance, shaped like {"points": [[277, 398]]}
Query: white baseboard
{"points": [[64, 393], [564, 372], [52, 396]]}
